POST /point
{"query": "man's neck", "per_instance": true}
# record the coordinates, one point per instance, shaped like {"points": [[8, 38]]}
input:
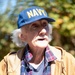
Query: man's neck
{"points": [[37, 56]]}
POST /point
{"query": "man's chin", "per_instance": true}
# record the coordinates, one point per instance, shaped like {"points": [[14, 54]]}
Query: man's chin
{"points": [[42, 45]]}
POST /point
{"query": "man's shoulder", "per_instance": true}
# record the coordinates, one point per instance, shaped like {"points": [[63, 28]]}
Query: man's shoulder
{"points": [[59, 52], [13, 55], [9, 55], [64, 52], [13, 52]]}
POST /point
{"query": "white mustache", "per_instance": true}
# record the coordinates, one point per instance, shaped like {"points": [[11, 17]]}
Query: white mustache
{"points": [[48, 38]]}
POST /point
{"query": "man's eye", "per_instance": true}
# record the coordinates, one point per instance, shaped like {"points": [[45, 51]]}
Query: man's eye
{"points": [[44, 24], [35, 26]]}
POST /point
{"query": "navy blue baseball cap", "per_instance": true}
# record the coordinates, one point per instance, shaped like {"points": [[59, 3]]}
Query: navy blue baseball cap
{"points": [[32, 14]]}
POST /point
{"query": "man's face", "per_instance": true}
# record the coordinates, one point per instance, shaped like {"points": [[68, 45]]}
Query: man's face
{"points": [[36, 33]]}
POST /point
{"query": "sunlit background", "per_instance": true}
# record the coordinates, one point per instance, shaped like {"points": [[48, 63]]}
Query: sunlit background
{"points": [[63, 11]]}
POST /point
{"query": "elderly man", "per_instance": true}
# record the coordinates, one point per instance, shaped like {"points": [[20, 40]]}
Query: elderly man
{"points": [[37, 57]]}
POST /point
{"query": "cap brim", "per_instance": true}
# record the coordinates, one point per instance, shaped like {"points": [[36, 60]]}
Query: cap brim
{"points": [[40, 18], [49, 19]]}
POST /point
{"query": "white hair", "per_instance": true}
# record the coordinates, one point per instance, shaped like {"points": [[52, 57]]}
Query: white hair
{"points": [[15, 37], [50, 32]]}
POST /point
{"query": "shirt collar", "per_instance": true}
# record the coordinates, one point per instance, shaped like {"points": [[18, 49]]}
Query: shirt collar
{"points": [[49, 56]]}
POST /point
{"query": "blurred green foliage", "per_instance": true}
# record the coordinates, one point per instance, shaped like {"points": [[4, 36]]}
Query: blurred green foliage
{"points": [[63, 11]]}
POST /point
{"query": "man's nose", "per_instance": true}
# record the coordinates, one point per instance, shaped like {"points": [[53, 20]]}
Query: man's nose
{"points": [[43, 31]]}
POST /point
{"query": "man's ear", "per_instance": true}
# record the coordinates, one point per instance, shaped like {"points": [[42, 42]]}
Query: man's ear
{"points": [[22, 37]]}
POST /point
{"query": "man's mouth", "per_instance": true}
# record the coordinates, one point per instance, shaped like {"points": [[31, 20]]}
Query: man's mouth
{"points": [[41, 39]]}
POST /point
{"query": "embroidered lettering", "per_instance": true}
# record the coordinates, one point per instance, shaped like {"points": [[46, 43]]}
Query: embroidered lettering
{"points": [[39, 11], [36, 12], [30, 14], [43, 12]]}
